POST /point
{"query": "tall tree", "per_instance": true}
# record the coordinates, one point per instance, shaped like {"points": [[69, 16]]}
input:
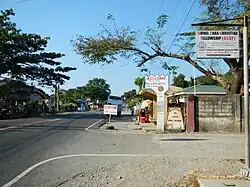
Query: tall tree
{"points": [[112, 43], [139, 81], [129, 97], [130, 94], [97, 89], [23, 55], [180, 81]]}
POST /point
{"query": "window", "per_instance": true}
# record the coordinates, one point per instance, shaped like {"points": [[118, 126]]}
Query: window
{"points": [[115, 98]]}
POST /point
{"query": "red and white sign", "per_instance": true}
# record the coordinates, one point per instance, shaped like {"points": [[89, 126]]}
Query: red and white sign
{"points": [[110, 109]]}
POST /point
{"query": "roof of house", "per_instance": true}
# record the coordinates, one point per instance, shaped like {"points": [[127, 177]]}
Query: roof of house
{"points": [[203, 89], [17, 88]]}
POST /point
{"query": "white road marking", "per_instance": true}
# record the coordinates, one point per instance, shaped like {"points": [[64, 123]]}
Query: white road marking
{"points": [[37, 122], [21, 175], [11, 127], [29, 124], [87, 129]]}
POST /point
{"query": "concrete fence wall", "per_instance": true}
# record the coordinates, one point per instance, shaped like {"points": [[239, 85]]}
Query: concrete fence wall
{"points": [[219, 113]]}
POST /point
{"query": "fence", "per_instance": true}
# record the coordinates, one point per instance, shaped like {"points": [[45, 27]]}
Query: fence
{"points": [[219, 113]]}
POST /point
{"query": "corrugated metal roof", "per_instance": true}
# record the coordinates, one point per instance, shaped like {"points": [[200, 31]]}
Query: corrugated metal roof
{"points": [[204, 89]]}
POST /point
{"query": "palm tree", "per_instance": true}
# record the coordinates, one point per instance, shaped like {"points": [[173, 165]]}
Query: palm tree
{"points": [[140, 81]]}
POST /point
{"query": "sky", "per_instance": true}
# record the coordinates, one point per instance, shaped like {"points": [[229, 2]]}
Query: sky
{"points": [[63, 20]]}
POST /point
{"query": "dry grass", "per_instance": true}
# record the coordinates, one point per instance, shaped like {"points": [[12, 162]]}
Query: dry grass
{"points": [[190, 179]]}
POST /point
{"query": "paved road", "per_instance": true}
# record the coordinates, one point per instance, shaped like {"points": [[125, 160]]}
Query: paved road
{"points": [[107, 158], [36, 139]]}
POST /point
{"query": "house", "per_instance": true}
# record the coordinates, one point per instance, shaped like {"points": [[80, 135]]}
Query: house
{"points": [[19, 91]]}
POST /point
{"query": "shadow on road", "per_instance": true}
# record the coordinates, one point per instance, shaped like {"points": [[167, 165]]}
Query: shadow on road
{"points": [[75, 115], [37, 132], [23, 143], [182, 139]]}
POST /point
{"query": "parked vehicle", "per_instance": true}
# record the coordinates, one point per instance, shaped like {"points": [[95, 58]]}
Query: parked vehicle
{"points": [[116, 100]]}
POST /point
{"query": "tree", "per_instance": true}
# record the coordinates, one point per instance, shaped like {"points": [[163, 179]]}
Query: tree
{"points": [[130, 94], [23, 55], [180, 81], [110, 44], [206, 80], [139, 81], [97, 89], [130, 97]]}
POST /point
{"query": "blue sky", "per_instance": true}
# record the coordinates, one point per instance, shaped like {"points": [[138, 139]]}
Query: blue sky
{"points": [[63, 20]]}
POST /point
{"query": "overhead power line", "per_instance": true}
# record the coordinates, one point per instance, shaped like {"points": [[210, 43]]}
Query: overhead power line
{"points": [[183, 22], [23, 1], [160, 9]]}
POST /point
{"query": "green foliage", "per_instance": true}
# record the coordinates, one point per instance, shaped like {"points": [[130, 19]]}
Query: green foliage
{"points": [[206, 80], [224, 8], [170, 68], [130, 98], [139, 81], [95, 89], [23, 55], [110, 44], [134, 102], [130, 94], [104, 48], [162, 20], [180, 81]]}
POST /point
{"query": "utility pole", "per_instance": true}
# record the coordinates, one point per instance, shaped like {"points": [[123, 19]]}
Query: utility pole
{"points": [[57, 97], [245, 171], [246, 92], [194, 82]]}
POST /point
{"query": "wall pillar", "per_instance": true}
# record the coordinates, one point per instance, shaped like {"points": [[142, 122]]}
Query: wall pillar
{"points": [[166, 111], [190, 114]]}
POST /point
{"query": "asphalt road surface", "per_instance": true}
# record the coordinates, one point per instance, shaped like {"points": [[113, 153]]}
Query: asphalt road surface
{"points": [[64, 150], [24, 142]]}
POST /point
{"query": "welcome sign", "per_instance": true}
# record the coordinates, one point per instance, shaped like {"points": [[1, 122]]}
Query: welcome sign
{"points": [[159, 83]]}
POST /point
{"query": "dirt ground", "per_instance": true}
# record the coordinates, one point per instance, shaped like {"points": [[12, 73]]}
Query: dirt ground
{"points": [[184, 157]]}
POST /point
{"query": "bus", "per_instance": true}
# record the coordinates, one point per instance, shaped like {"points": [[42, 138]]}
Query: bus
{"points": [[116, 100]]}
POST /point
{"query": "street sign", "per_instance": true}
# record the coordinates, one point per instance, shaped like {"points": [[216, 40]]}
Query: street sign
{"points": [[110, 109], [217, 44]]}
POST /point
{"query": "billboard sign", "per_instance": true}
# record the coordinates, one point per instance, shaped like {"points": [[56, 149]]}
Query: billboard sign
{"points": [[110, 109], [217, 44]]}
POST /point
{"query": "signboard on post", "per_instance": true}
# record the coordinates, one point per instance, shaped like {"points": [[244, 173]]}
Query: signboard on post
{"points": [[110, 109], [217, 44], [160, 84]]}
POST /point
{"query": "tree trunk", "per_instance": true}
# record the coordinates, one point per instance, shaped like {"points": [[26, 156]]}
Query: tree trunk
{"points": [[237, 82]]}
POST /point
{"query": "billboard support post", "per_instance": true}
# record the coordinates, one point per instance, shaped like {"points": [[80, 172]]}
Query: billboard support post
{"points": [[246, 92]]}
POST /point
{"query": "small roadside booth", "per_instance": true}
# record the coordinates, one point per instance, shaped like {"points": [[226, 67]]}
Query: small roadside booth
{"points": [[151, 95]]}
